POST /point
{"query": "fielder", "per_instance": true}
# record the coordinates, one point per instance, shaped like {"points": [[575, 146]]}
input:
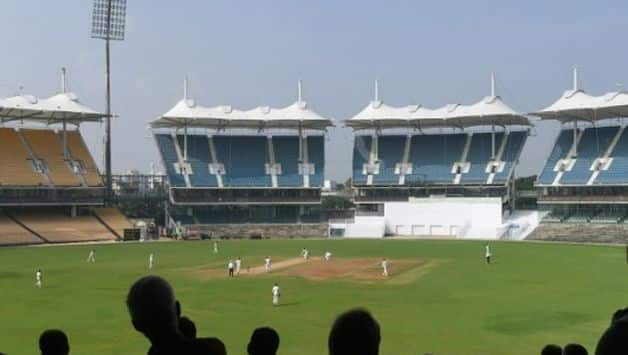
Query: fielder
{"points": [[238, 263], [38, 278], [151, 258], [487, 254], [327, 256], [91, 258], [230, 266], [305, 253], [276, 294], [384, 267], [215, 247], [267, 264]]}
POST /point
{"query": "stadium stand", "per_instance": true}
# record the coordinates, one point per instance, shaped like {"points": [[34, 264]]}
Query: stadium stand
{"points": [[433, 156], [287, 154], [244, 158], [361, 151], [479, 155], [12, 233], [45, 145], [113, 220], [198, 157], [390, 151], [512, 151], [560, 150], [15, 164], [593, 144], [166, 147], [618, 170], [79, 151], [56, 226], [316, 156]]}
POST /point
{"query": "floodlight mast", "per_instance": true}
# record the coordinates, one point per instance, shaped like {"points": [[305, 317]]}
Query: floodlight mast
{"points": [[108, 24]]}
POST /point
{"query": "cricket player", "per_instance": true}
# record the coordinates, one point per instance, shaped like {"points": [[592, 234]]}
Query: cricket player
{"points": [[230, 266], [91, 258], [38, 278], [327, 256], [487, 254], [276, 294], [267, 264], [384, 267], [215, 247], [238, 264], [151, 258], [305, 253]]}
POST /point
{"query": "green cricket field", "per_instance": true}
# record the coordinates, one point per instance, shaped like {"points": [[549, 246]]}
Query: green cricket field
{"points": [[440, 298]]}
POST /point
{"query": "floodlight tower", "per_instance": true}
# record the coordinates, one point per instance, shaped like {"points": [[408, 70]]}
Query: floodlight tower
{"points": [[108, 20]]}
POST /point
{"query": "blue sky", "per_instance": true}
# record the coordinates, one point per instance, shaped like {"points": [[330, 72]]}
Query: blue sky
{"points": [[251, 53]]}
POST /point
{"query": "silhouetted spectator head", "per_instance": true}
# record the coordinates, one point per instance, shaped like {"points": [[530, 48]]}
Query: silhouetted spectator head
{"points": [[187, 327], [614, 341], [354, 332], [264, 341], [575, 349], [552, 349], [153, 307], [54, 342]]}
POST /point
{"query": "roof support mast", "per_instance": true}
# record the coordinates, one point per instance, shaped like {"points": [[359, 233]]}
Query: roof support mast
{"points": [[493, 125], [65, 136], [185, 127], [574, 148]]}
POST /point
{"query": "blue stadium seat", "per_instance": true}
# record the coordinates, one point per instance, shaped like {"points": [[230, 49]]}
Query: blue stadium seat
{"points": [[479, 155], [390, 150], [316, 156], [592, 145], [244, 158], [199, 159], [433, 155], [287, 154], [560, 150], [168, 152], [361, 151], [514, 144], [618, 170]]}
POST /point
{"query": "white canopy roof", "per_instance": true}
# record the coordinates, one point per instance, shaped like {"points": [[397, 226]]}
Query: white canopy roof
{"points": [[186, 113], [576, 105], [379, 115], [491, 110], [62, 107]]}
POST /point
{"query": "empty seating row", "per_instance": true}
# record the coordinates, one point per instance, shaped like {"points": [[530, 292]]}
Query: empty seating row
{"points": [[35, 157], [432, 157], [593, 144], [12, 233], [239, 161], [56, 226], [114, 219]]}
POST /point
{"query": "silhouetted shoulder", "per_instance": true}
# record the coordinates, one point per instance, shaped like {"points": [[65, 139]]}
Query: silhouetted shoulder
{"points": [[216, 347], [201, 346]]}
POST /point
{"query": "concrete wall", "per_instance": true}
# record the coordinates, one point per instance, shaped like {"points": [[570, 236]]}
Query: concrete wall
{"points": [[461, 217]]}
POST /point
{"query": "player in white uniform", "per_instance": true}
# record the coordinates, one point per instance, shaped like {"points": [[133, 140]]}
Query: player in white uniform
{"points": [[267, 264], [230, 266], [91, 258], [215, 247], [327, 256], [487, 254], [38, 278], [276, 294], [151, 258], [238, 263], [385, 267], [305, 253]]}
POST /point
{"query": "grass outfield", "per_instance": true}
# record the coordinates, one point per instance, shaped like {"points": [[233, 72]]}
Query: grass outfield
{"points": [[451, 303]]}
